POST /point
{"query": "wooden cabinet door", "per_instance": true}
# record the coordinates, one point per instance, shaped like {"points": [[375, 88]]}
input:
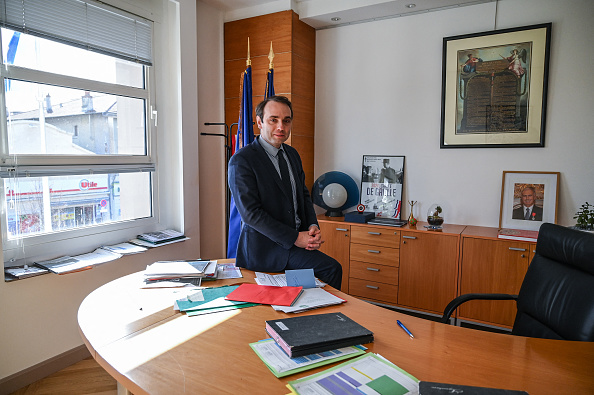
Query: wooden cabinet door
{"points": [[492, 266], [428, 270], [336, 236]]}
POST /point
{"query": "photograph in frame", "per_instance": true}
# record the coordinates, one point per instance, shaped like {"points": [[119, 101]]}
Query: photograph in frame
{"points": [[528, 199], [382, 178], [495, 87]]}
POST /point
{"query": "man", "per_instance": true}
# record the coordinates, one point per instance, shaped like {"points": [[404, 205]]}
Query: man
{"points": [[279, 226], [528, 210]]}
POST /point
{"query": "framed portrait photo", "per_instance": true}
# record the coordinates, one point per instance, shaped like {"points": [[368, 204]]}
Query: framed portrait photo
{"points": [[528, 199], [494, 88], [381, 185]]}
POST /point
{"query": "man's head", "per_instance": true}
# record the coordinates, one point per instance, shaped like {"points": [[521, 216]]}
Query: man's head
{"points": [[528, 196], [274, 117], [386, 163]]}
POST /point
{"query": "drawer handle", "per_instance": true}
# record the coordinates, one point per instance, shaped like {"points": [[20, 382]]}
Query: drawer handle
{"points": [[409, 237], [342, 229], [372, 286], [517, 249], [373, 269], [374, 251], [375, 233]]}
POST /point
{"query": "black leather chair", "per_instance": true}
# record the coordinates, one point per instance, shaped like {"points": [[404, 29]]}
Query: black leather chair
{"points": [[556, 299]]}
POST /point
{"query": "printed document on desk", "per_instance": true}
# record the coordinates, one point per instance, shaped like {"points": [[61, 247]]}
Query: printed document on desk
{"points": [[367, 374], [278, 280], [281, 365], [311, 298]]}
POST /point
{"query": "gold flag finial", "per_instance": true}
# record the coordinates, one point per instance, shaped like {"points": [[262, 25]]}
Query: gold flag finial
{"points": [[270, 57], [248, 62]]}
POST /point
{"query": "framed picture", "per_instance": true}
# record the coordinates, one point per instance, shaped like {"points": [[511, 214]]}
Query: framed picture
{"points": [[528, 199], [495, 88], [381, 185]]}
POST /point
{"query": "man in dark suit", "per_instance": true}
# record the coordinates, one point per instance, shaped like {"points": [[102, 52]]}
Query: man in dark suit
{"points": [[528, 210], [279, 227]]}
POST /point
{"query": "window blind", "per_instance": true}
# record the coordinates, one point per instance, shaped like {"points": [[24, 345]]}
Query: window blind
{"points": [[93, 26]]}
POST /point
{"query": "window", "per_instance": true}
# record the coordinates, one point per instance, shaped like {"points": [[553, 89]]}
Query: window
{"points": [[77, 145]]}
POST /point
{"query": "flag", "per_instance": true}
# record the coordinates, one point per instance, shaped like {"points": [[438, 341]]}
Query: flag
{"points": [[245, 135], [270, 77]]}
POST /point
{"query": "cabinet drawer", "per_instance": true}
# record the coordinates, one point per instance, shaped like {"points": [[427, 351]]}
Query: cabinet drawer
{"points": [[375, 254], [373, 272], [375, 235], [373, 290]]}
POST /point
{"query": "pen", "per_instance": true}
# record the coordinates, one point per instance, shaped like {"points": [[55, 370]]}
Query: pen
{"points": [[400, 324]]}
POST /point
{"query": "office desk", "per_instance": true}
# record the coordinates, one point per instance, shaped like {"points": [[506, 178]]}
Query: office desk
{"points": [[147, 347]]}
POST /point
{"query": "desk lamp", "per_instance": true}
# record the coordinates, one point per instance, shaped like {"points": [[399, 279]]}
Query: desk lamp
{"points": [[335, 191]]}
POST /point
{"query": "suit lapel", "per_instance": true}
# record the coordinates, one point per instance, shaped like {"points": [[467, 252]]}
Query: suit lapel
{"points": [[266, 163]]}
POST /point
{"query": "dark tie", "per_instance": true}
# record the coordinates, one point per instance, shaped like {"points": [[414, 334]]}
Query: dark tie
{"points": [[527, 216], [284, 170]]}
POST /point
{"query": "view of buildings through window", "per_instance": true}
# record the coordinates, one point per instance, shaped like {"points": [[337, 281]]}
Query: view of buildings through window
{"points": [[48, 119]]}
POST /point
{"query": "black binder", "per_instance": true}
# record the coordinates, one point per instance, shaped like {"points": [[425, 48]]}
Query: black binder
{"points": [[309, 334]]}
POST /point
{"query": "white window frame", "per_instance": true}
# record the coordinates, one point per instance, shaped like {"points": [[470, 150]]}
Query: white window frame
{"points": [[76, 241]]}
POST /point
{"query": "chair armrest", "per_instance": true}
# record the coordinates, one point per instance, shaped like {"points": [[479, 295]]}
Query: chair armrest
{"points": [[453, 305]]}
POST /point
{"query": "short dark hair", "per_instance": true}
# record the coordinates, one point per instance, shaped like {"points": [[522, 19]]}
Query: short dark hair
{"points": [[278, 99]]}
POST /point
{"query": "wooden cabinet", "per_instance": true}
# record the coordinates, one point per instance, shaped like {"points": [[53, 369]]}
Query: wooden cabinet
{"points": [[419, 269], [491, 265], [374, 261], [336, 244], [428, 268]]}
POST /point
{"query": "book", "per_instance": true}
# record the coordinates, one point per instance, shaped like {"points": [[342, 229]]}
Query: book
{"points": [[160, 237], [387, 221], [177, 269], [265, 294], [518, 234], [430, 388], [310, 334], [367, 374]]}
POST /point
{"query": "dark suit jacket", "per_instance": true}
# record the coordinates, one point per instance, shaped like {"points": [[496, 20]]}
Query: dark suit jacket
{"points": [[267, 231], [519, 213]]}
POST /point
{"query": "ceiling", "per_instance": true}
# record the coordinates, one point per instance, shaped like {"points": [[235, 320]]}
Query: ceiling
{"points": [[323, 14]]}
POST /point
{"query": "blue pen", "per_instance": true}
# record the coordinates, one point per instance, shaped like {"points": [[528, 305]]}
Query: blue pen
{"points": [[400, 324]]}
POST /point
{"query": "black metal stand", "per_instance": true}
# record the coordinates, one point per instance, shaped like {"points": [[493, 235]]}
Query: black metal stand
{"points": [[228, 148]]}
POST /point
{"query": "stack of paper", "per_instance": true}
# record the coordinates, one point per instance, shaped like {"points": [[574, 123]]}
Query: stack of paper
{"points": [[278, 280], [71, 264], [158, 238], [170, 273], [210, 300], [281, 365], [311, 298]]}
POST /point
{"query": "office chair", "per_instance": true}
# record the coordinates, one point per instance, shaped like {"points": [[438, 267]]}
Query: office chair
{"points": [[556, 299]]}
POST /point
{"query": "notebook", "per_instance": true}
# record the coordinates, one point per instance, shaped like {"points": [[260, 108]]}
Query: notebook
{"points": [[309, 334]]}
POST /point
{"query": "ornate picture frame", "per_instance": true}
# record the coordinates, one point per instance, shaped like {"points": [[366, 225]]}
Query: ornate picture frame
{"points": [[382, 178], [536, 191], [494, 88]]}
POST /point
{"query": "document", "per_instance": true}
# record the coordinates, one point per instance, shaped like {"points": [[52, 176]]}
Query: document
{"points": [[278, 280], [367, 374], [265, 294], [300, 278], [311, 298], [228, 270], [172, 269], [210, 300], [125, 248], [281, 365]]}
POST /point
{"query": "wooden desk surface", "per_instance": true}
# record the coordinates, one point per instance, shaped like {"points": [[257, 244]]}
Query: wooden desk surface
{"points": [[150, 349]]}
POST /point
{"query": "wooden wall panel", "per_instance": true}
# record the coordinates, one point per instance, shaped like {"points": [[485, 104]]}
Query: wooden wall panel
{"points": [[305, 146], [304, 39], [261, 30], [303, 120], [303, 77]]}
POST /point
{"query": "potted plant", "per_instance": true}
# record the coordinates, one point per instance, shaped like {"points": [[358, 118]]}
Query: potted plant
{"points": [[585, 217]]}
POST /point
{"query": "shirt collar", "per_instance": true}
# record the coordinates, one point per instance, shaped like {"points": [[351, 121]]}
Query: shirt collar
{"points": [[271, 149]]}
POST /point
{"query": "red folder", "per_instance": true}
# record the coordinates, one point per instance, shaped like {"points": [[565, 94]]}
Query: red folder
{"points": [[265, 294]]}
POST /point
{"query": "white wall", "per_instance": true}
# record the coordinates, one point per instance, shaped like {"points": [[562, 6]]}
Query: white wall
{"points": [[38, 316], [378, 91]]}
